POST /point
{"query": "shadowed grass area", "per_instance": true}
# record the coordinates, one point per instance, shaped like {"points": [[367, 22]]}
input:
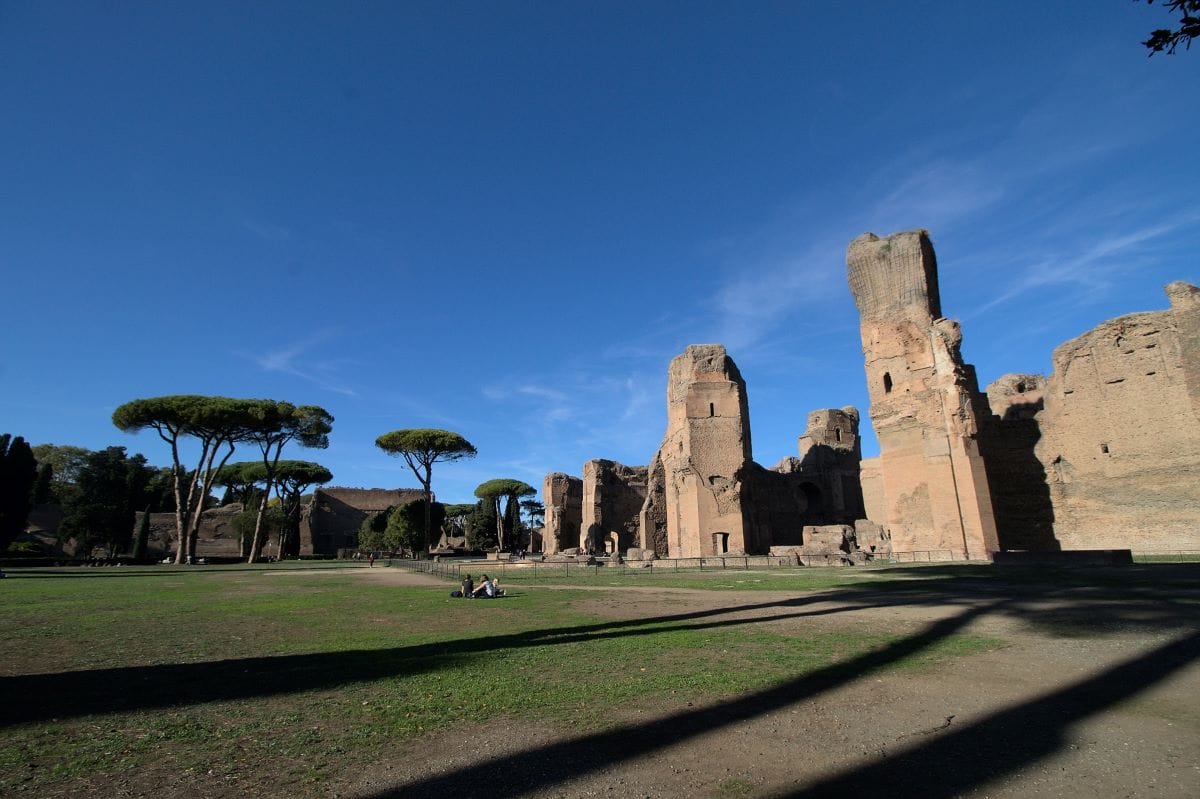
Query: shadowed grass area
{"points": [[251, 624], [276, 678]]}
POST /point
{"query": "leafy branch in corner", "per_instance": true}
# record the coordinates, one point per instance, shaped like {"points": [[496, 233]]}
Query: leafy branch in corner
{"points": [[1165, 39]]}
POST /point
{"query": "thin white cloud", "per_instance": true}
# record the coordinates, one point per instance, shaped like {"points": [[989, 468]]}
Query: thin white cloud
{"points": [[267, 232], [295, 360], [1097, 266]]}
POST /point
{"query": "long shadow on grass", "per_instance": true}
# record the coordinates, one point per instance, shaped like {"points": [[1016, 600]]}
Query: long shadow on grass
{"points": [[948, 766], [39, 697], [528, 771], [60, 695]]}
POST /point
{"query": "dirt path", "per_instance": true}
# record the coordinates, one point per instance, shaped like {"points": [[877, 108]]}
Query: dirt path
{"points": [[1088, 694]]}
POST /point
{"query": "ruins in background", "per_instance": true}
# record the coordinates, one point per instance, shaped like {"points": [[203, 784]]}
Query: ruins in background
{"points": [[1103, 453]]}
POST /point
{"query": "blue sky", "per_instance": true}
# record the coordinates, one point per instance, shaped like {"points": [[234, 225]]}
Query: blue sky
{"points": [[505, 219]]}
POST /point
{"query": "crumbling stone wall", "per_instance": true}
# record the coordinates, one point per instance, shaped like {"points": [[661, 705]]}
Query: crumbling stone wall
{"points": [[217, 537], [613, 495], [1120, 439], [336, 514], [1016, 478], [925, 401], [702, 461], [870, 480], [821, 487], [562, 495]]}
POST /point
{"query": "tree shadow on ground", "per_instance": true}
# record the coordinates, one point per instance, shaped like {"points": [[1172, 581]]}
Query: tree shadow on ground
{"points": [[1005, 741], [972, 755], [72, 694]]}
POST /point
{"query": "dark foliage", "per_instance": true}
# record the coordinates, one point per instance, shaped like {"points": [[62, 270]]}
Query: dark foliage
{"points": [[1188, 28], [112, 488], [18, 472]]}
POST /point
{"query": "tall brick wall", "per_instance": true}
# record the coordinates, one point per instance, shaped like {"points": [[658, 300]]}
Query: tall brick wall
{"points": [[924, 400], [1121, 433]]}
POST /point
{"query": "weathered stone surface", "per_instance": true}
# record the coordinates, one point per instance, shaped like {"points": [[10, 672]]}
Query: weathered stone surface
{"points": [[924, 400], [695, 497], [1016, 478], [217, 537], [1120, 438], [562, 495], [613, 495], [336, 514], [872, 538]]}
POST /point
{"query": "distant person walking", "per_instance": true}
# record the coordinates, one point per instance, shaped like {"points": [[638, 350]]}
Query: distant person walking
{"points": [[371, 559]]}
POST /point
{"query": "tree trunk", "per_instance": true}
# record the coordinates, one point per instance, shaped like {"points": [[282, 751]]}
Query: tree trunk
{"points": [[499, 526], [206, 485], [271, 465], [426, 484], [255, 542]]}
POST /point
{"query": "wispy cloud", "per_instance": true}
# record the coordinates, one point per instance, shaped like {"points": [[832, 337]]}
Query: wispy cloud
{"points": [[266, 231], [295, 359], [1097, 266]]}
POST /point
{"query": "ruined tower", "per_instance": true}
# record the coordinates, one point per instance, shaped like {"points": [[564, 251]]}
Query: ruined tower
{"points": [[925, 401], [563, 496], [695, 504]]}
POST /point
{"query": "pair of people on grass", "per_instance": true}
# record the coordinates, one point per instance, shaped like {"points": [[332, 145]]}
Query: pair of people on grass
{"points": [[487, 589]]}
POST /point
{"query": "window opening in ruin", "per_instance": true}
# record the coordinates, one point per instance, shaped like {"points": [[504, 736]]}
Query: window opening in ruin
{"points": [[1020, 388], [887, 383], [712, 409], [837, 435], [720, 543], [1104, 448]]}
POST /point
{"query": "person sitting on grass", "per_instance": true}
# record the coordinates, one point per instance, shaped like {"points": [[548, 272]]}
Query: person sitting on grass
{"points": [[486, 589], [468, 586]]}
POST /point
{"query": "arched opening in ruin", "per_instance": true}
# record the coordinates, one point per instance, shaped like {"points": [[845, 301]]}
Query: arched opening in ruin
{"points": [[887, 383], [720, 543], [712, 409], [1020, 388], [837, 434], [814, 502]]}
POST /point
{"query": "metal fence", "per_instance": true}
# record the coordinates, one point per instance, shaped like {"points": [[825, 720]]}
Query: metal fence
{"points": [[927, 556]]}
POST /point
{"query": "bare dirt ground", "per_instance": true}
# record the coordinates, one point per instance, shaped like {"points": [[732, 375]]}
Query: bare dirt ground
{"points": [[1089, 692]]}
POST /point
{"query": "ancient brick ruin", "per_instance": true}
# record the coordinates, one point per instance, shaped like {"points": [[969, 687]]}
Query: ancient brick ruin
{"points": [[1103, 453], [702, 495], [332, 520], [924, 401]]}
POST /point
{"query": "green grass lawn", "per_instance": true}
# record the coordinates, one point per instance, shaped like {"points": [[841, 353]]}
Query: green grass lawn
{"points": [[291, 675]]}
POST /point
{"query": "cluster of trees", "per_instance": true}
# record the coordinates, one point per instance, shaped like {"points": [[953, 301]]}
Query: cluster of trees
{"points": [[400, 528], [216, 425], [250, 483], [102, 492], [99, 492], [495, 521], [18, 474]]}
